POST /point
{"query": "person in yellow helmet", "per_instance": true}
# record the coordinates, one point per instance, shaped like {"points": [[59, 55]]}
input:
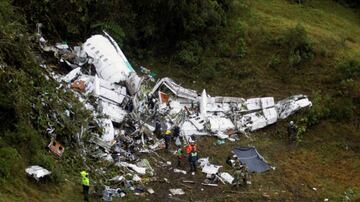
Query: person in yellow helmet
{"points": [[167, 138], [85, 184]]}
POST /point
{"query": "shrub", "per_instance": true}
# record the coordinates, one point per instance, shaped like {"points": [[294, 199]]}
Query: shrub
{"points": [[298, 45], [189, 53], [349, 69], [274, 61], [319, 111], [241, 49], [9, 163], [342, 109]]}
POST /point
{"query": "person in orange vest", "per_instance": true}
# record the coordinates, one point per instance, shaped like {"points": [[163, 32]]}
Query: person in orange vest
{"points": [[191, 146]]}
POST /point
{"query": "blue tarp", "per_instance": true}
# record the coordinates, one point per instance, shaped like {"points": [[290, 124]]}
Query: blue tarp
{"points": [[253, 160]]}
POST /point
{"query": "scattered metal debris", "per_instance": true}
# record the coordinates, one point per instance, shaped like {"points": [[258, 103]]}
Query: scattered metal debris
{"points": [[56, 148], [176, 191], [37, 172]]}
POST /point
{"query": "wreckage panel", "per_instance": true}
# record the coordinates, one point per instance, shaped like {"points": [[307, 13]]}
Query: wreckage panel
{"points": [[110, 65]]}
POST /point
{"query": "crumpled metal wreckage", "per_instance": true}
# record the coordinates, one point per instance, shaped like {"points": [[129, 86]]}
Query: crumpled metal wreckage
{"points": [[37, 172], [129, 104]]}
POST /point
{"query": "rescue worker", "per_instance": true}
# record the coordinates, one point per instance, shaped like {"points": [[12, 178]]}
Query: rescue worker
{"points": [[151, 101], [292, 131], [176, 131], [240, 175], [193, 157], [245, 175], [85, 184], [157, 131], [179, 155], [167, 138], [191, 146]]}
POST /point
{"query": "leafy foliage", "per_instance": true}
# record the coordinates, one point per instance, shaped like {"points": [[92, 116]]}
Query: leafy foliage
{"points": [[30, 102], [8, 163], [298, 44]]}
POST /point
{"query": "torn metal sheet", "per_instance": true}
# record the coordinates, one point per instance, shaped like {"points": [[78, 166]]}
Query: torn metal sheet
{"points": [[115, 112], [37, 172], [163, 98], [198, 122], [176, 89], [176, 191], [220, 124], [291, 105], [133, 83], [139, 170], [210, 168], [179, 171], [108, 193], [73, 74], [109, 132], [226, 177], [56, 147], [203, 104], [257, 120], [144, 163], [188, 129]]}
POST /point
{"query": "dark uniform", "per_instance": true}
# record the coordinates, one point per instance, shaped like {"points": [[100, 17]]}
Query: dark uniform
{"points": [[292, 131], [240, 175], [193, 157]]}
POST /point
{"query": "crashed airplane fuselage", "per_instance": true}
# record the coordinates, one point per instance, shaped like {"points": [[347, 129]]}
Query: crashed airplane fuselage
{"points": [[116, 82]]}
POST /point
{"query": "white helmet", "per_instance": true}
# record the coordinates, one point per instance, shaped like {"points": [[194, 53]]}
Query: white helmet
{"points": [[291, 122]]}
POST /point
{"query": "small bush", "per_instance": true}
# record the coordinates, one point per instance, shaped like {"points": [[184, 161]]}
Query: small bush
{"points": [[189, 53], [349, 69], [342, 109], [298, 45], [241, 49], [319, 111], [275, 61]]}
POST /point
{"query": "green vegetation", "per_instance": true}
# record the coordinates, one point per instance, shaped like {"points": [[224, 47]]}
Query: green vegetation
{"points": [[230, 47]]}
